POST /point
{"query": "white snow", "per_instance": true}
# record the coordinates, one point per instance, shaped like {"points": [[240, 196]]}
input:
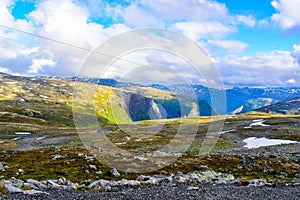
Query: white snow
{"points": [[43, 96], [22, 133], [121, 143], [222, 132], [254, 142], [257, 122], [40, 138]]}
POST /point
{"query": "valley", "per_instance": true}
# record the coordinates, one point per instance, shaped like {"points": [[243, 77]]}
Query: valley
{"points": [[39, 138]]}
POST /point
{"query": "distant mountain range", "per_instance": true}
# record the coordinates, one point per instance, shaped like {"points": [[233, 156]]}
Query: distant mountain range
{"points": [[237, 99], [290, 106]]}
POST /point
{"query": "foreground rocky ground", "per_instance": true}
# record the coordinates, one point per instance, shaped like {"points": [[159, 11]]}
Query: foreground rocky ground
{"points": [[171, 191], [55, 165]]}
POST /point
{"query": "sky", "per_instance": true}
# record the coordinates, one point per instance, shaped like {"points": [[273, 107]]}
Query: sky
{"points": [[252, 43]]}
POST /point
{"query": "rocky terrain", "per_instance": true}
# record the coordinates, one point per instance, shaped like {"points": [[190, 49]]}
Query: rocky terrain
{"points": [[290, 106], [42, 156]]}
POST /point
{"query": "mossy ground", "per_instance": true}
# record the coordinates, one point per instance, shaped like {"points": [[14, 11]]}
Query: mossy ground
{"points": [[39, 165]]}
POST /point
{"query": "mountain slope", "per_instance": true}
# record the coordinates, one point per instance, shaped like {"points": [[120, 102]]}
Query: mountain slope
{"points": [[41, 102], [291, 106]]}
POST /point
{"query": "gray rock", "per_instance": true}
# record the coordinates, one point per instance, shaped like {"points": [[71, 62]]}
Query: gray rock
{"points": [[257, 182], [2, 169], [192, 188], [53, 148], [55, 157], [93, 167], [297, 175], [248, 160], [27, 185], [283, 174], [209, 174], [179, 179], [130, 170], [33, 192], [35, 184], [12, 189], [128, 182], [143, 178], [20, 171], [115, 172], [97, 185], [16, 182], [53, 183], [158, 178], [62, 181], [89, 158]]}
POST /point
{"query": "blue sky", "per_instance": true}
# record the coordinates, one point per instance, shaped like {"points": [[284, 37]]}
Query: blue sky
{"points": [[252, 43]]}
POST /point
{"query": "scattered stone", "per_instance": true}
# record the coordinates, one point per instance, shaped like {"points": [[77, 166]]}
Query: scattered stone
{"points": [[2, 169], [158, 178], [209, 174], [16, 182], [115, 172], [99, 172], [12, 189], [192, 188], [20, 171], [93, 167], [53, 148], [33, 192], [26, 186], [257, 182], [55, 157], [62, 181], [97, 185], [89, 158], [129, 182], [130, 170], [143, 178], [35, 184], [283, 174], [53, 183], [248, 160], [140, 158]]}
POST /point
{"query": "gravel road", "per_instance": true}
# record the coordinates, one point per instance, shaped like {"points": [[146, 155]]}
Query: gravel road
{"points": [[171, 191]]}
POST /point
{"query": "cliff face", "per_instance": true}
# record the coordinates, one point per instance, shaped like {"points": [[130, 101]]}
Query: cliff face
{"points": [[138, 107]]}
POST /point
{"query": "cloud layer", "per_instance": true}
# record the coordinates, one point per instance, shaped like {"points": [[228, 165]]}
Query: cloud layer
{"points": [[88, 24]]}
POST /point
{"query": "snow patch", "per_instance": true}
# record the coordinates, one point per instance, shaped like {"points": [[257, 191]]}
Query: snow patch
{"points": [[257, 122], [254, 142]]}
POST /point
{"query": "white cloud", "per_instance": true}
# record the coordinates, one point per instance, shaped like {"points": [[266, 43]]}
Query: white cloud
{"points": [[264, 69], [247, 20], [38, 64], [165, 12], [291, 81], [287, 15], [230, 45], [4, 70], [62, 20], [296, 54], [202, 30]]}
